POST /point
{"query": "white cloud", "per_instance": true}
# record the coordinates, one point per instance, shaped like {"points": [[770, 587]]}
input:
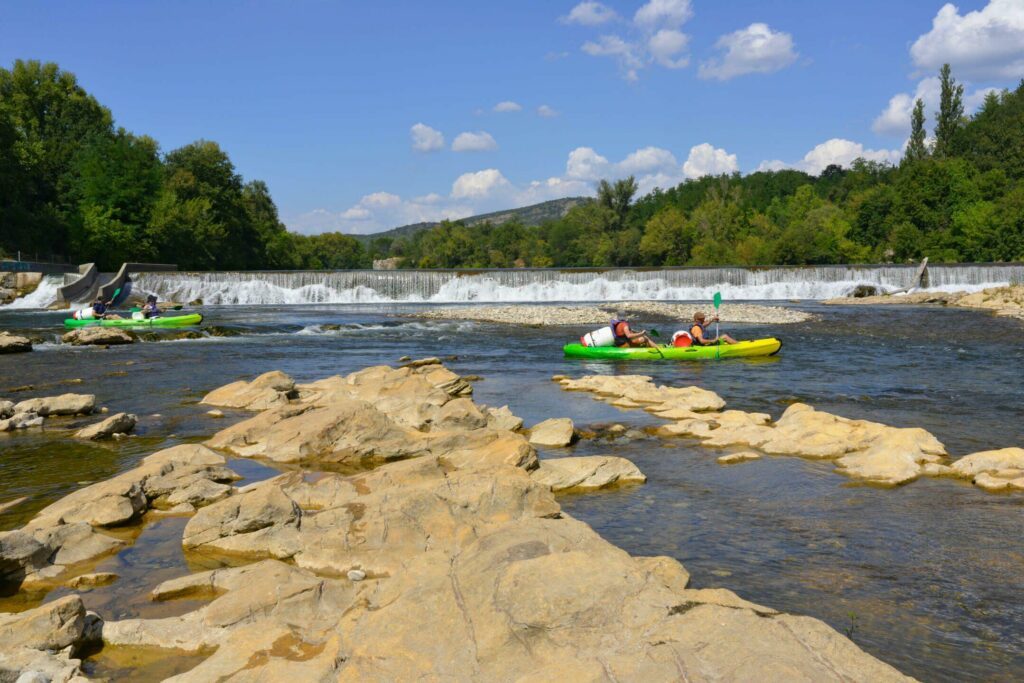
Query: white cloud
{"points": [[895, 119], [371, 214], [773, 165], [546, 111], [507, 106], [480, 185], [590, 13], [479, 141], [586, 164], [665, 46], [984, 44], [651, 166], [705, 160], [648, 160], [425, 138], [754, 49], [673, 13], [843, 152], [625, 53]]}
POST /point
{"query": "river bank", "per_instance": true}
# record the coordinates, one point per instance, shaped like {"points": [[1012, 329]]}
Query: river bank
{"points": [[1002, 301], [464, 530], [580, 314]]}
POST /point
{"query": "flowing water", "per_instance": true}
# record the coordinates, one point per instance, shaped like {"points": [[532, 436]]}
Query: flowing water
{"points": [[927, 577]]}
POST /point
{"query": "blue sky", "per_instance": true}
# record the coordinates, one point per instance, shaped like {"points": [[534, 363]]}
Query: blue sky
{"points": [[319, 99]]}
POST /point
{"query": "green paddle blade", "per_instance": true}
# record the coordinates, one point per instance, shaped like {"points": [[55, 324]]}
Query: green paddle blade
{"points": [[718, 299], [653, 332]]}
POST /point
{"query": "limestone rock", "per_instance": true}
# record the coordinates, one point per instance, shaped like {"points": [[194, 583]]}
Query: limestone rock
{"points": [[420, 362], [10, 343], [65, 404], [85, 581], [6, 409], [586, 473], [98, 336], [118, 423], [1000, 480], [269, 389], [734, 458], [554, 432], [53, 626], [989, 461], [641, 390], [20, 421], [502, 418]]}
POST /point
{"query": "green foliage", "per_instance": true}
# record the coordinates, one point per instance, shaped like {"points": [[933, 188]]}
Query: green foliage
{"points": [[950, 117], [917, 147], [73, 187]]}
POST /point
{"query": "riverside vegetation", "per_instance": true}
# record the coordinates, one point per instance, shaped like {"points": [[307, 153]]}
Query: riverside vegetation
{"points": [[450, 558], [74, 185]]}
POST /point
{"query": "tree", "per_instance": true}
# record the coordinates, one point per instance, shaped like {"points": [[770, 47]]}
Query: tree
{"points": [[666, 240], [115, 184], [51, 118], [917, 147], [617, 197], [949, 118]]}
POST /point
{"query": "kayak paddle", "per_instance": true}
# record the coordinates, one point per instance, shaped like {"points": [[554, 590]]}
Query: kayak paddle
{"points": [[717, 300]]}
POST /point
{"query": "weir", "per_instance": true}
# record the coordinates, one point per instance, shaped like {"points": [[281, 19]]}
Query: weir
{"points": [[566, 284]]}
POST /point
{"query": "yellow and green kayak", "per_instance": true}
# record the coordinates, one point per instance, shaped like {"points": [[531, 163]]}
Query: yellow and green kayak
{"points": [[168, 321], [744, 349]]}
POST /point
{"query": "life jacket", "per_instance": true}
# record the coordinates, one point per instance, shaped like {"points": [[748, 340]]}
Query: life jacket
{"points": [[703, 332], [620, 339]]}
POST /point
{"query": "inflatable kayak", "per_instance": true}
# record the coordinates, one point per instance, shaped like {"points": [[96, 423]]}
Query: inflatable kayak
{"points": [[162, 321], [744, 349]]}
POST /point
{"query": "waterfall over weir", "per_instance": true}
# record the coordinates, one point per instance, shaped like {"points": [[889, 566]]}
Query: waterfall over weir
{"points": [[552, 284]]}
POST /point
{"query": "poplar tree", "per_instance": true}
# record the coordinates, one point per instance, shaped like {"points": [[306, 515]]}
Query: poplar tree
{"points": [[949, 118], [917, 148]]}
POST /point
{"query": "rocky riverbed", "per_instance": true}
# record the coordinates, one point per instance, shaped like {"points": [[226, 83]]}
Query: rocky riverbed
{"points": [[1002, 301], [416, 535], [539, 316]]}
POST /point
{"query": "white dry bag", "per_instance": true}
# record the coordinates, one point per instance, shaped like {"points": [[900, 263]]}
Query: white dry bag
{"points": [[601, 337]]}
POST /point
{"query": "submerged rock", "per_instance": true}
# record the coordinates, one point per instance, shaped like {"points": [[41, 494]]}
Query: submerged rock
{"points": [[10, 343], [555, 432], [118, 423], [734, 458]]}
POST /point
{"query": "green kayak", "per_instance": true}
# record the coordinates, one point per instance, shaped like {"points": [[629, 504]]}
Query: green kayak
{"points": [[744, 349], [162, 321]]}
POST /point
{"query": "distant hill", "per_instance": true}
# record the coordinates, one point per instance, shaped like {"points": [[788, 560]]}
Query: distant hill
{"points": [[527, 215]]}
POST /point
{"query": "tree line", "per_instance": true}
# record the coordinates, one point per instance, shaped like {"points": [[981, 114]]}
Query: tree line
{"points": [[957, 195], [75, 187]]}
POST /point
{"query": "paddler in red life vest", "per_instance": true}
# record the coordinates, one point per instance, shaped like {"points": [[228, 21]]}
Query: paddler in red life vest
{"points": [[698, 333], [617, 333]]}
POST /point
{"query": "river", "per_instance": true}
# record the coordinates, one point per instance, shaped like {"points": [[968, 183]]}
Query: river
{"points": [[927, 577]]}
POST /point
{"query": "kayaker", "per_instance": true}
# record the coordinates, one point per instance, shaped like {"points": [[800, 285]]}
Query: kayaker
{"points": [[150, 309], [96, 311], [617, 333], [699, 332], [624, 336]]}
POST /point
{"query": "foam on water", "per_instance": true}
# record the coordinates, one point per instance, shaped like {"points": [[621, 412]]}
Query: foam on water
{"points": [[44, 295], [544, 285]]}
